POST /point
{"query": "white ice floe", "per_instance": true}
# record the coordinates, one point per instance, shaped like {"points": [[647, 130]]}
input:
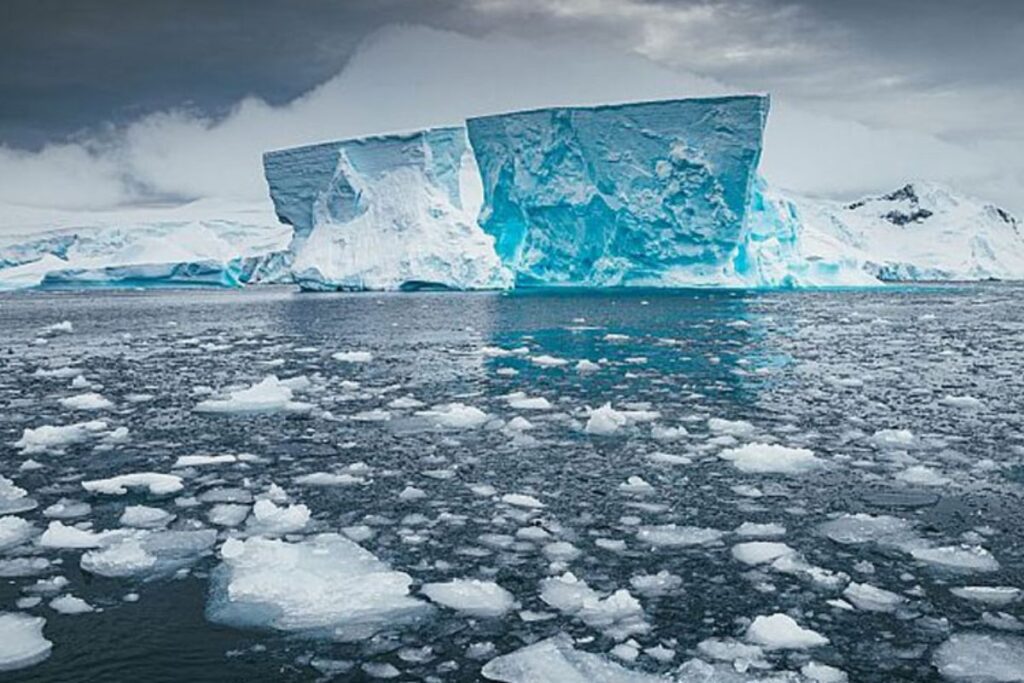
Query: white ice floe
{"points": [[730, 427], [60, 535], [555, 660], [780, 632], [755, 530], [981, 658], [763, 458], [965, 402], [63, 327], [329, 479], [760, 552], [484, 599], [145, 517], [353, 356], [990, 595], [584, 366], [885, 530], [607, 420], [816, 672], [21, 641], [325, 584], [14, 531], [228, 514], [155, 482], [654, 585], [69, 604], [267, 396], [455, 416], [674, 536], [56, 438], [958, 557], [667, 434], [742, 656], [870, 598], [893, 438], [204, 460], [618, 616], [522, 500], [546, 361], [148, 553], [922, 476], [268, 518], [13, 498], [636, 485], [520, 401], [88, 401]]}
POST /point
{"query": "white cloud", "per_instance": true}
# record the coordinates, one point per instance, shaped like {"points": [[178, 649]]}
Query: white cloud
{"points": [[410, 77]]}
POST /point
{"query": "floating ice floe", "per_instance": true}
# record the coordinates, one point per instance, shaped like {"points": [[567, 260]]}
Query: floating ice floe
{"points": [[353, 356], [522, 500], [455, 416], [963, 557], [69, 604], [268, 518], [922, 476], [780, 632], [893, 438], [618, 616], [87, 401], [555, 660], [989, 595], [204, 460], [674, 536], [48, 438], [329, 479], [324, 585], [228, 514], [21, 641], [607, 420], [156, 483], [755, 530], [965, 402], [546, 361], [760, 552], [655, 585], [63, 327], [268, 396], [60, 535], [730, 427], [870, 598], [763, 458], [13, 498], [484, 599], [148, 553], [145, 517], [520, 401], [14, 531], [981, 658]]}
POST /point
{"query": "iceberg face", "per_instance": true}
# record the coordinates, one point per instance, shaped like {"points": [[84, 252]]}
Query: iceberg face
{"points": [[388, 212], [172, 253], [639, 194]]}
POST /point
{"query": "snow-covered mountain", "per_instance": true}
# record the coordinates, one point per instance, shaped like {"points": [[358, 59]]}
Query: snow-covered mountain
{"points": [[921, 231]]}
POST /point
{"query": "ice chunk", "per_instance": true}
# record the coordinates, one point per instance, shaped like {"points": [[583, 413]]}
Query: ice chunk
{"points": [[268, 518], [267, 396], [476, 598], [893, 438], [65, 508], [59, 535], [990, 595], [204, 460], [384, 212], [69, 604], [325, 585], [148, 552], [21, 641], [15, 531], [352, 356], [981, 658], [145, 517], [780, 632], [87, 401], [823, 673], [858, 528], [555, 660], [607, 420], [57, 438], [156, 483], [755, 530], [673, 536], [760, 552], [922, 476], [455, 416], [730, 427], [13, 498], [763, 458], [963, 557], [654, 585], [520, 401], [522, 500], [870, 598], [618, 616]]}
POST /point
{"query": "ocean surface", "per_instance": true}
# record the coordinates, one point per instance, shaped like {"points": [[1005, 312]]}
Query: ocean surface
{"points": [[880, 434]]}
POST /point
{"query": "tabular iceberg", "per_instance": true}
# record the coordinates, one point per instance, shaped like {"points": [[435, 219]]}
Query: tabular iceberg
{"points": [[386, 212], [652, 193]]}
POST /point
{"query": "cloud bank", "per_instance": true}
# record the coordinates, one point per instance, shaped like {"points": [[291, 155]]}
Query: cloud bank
{"points": [[409, 77]]}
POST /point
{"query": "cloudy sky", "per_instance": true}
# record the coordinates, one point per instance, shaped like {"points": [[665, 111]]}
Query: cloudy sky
{"points": [[107, 103]]}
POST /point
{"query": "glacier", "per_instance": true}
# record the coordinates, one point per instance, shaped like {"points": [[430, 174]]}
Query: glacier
{"points": [[194, 245], [384, 212]]}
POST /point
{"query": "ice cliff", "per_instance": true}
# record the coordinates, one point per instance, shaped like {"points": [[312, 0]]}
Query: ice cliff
{"points": [[387, 212]]}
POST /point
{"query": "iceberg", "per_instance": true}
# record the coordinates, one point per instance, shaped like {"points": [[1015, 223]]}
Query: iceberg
{"points": [[195, 245], [384, 213]]}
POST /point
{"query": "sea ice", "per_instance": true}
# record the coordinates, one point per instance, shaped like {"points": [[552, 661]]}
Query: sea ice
{"points": [[15, 531], [963, 557], [21, 641], [780, 632], [65, 508], [762, 458], [870, 598], [267, 396], [760, 552], [145, 517], [56, 438], [13, 498], [268, 518], [455, 416], [484, 599], [156, 483], [673, 536], [981, 658], [555, 660], [87, 401], [69, 604], [990, 595], [325, 584], [59, 535]]}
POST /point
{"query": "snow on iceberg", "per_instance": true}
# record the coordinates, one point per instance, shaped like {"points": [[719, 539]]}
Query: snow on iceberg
{"points": [[193, 245], [383, 213], [324, 585]]}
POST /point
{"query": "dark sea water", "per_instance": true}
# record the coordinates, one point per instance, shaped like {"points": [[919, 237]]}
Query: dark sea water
{"points": [[825, 371]]}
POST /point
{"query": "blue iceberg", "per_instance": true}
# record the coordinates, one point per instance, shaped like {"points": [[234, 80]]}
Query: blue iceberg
{"points": [[384, 212], [652, 193]]}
